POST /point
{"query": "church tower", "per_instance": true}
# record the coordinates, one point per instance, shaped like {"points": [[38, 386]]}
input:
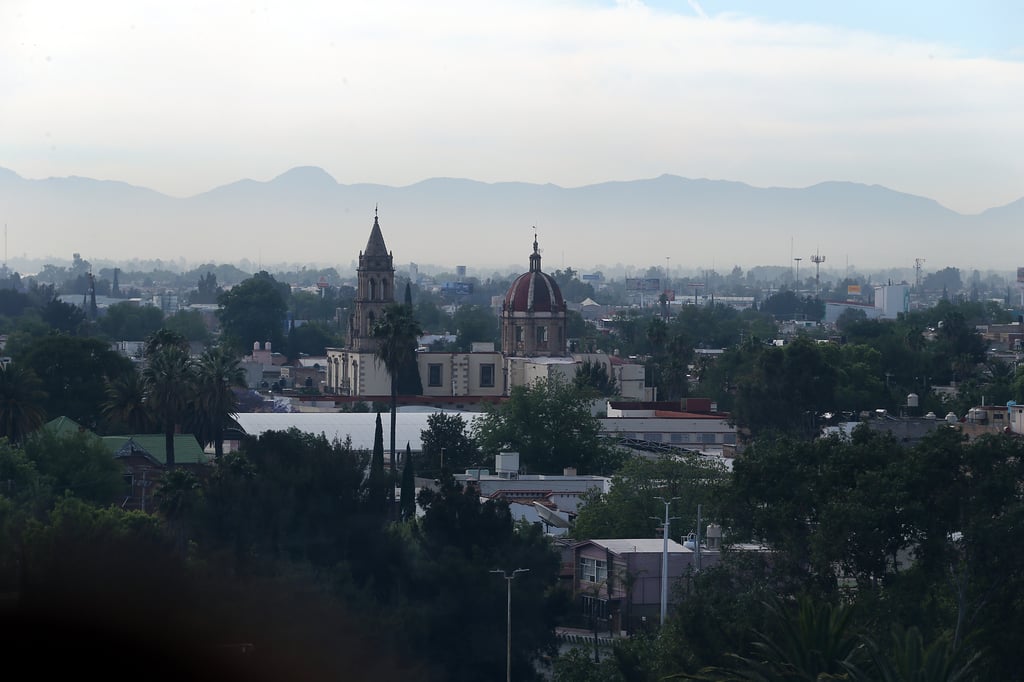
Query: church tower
{"points": [[375, 290], [534, 314]]}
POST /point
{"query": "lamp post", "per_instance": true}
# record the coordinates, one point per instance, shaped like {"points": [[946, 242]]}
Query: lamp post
{"points": [[508, 614], [664, 557]]}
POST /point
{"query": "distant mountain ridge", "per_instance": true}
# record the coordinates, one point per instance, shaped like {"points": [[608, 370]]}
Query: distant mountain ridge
{"points": [[305, 216]]}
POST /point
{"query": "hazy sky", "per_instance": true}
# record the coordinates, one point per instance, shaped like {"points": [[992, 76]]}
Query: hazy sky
{"points": [[925, 97]]}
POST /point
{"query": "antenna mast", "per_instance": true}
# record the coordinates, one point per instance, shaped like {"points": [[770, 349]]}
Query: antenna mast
{"points": [[918, 262], [817, 259]]}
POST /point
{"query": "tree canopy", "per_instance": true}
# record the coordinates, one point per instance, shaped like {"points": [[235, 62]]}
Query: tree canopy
{"points": [[550, 424]]}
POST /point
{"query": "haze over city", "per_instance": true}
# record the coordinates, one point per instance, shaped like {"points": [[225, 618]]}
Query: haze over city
{"points": [[920, 98]]}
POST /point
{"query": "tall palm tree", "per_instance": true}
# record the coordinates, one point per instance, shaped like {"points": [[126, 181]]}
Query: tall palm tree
{"points": [[217, 374], [397, 330], [169, 378], [20, 398], [126, 402]]}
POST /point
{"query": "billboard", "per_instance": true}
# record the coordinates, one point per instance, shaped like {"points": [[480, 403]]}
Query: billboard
{"points": [[597, 278], [648, 285], [853, 290], [458, 287]]}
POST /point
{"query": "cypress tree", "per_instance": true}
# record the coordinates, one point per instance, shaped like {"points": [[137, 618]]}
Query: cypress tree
{"points": [[408, 501], [377, 484]]}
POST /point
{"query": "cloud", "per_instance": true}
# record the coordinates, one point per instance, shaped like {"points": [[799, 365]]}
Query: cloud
{"points": [[697, 9], [568, 92]]}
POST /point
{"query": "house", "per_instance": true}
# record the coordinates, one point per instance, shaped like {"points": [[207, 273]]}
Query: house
{"points": [[620, 579], [144, 459]]}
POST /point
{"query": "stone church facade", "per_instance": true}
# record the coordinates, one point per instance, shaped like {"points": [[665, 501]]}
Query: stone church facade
{"points": [[533, 333]]}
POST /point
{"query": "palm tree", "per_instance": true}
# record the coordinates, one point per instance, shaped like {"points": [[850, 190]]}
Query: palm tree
{"points": [[20, 395], [169, 380], [397, 330], [910, 660], [811, 642], [216, 403], [126, 402]]}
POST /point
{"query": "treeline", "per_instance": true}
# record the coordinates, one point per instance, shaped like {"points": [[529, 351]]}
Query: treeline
{"points": [[276, 562], [886, 562]]}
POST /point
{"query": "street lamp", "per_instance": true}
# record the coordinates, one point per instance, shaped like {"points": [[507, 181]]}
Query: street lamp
{"points": [[664, 557], [508, 645]]}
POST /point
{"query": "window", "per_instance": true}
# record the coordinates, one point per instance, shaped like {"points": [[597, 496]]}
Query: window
{"points": [[373, 289], [680, 438], [593, 570], [652, 437], [542, 334], [707, 438], [487, 375], [435, 374], [519, 334]]}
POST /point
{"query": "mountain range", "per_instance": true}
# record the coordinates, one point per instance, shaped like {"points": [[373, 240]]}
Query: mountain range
{"points": [[304, 216]]}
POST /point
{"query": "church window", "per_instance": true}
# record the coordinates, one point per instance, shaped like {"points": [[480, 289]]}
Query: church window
{"points": [[373, 289], [487, 375], [383, 290], [542, 334], [519, 334]]}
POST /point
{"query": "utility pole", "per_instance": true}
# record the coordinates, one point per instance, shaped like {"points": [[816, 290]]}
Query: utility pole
{"points": [[696, 544], [508, 615], [664, 556]]}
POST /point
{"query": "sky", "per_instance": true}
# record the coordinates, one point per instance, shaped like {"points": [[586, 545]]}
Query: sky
{"points": [[922, 97]]}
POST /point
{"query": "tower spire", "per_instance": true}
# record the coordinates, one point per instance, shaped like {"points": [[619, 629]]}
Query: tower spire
{"points": [[535, 256]]}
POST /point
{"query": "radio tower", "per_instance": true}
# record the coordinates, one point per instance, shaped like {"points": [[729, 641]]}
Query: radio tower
{"points": [[918, 262], [817, 259]]}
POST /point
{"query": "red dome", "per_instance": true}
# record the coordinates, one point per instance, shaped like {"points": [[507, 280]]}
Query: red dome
{"points": [[534, 292]]}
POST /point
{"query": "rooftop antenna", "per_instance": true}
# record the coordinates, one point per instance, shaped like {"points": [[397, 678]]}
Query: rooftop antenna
{"points": [[817, 259]]}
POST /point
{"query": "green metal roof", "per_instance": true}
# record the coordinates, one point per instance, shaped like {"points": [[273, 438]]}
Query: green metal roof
{"points": [[186, 448]]}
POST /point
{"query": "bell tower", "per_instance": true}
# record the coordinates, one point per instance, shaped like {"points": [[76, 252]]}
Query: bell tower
{"points": [[375, 290]]}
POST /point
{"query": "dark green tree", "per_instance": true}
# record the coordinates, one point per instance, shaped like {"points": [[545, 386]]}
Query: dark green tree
{"points": [[594, 376], [377, 483], [128, 321], [397, 331], [217, 375], [408, 506], [474, 324], [73, 372], [21, 402], [169, 378], [631, 508], [78, 464], [254, 312], [550, 425], [447, 436], [190, 324], [125, 407]]}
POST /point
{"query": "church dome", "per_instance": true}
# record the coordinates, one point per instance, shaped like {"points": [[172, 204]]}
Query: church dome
{"points": [[534, 291]]}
